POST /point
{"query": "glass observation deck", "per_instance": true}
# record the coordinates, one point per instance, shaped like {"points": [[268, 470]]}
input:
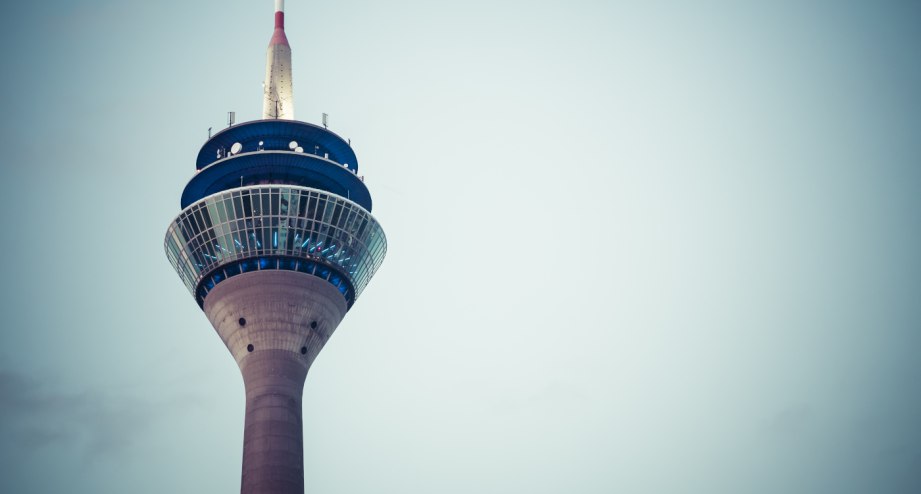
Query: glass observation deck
{"points": [[275, 227]]}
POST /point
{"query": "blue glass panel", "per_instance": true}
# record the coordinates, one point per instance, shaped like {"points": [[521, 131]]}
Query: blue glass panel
{"points": [[306, 267], [355, 244], [232, 270]]}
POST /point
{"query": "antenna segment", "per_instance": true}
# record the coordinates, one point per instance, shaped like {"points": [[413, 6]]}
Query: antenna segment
{"points": [[278, 92]]}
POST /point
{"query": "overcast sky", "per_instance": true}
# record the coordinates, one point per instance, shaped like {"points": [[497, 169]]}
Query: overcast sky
{"points": [[636, 247]]}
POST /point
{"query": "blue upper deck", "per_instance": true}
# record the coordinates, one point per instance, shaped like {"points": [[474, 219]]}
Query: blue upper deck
{"points": [[260, 152], [276, 134]]}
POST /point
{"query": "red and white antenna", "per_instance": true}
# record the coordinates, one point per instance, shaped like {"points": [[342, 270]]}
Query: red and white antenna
{"points": [[278, 36], [278, 92]]}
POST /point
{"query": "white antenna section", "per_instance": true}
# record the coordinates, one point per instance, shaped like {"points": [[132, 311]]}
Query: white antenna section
{"points": [[278, 90]]}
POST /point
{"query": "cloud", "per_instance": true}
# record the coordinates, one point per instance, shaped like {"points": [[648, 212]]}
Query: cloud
{"points": [[34, 416]]}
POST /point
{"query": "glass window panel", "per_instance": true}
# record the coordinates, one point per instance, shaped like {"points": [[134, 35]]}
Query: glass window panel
{"points": [[218, 207], [188, 227], [266, 238], [178, 237], [319, 205], [232, 269], [238, 230], [238, 208], [347, 216], [287, 234], [302, 202], [336, 215], [275, 202], [226, 242], [247, 202], [268, 203], [285, 201], [198, 217], [322, 233], [330, 207], [350, 222], [228, 207]]}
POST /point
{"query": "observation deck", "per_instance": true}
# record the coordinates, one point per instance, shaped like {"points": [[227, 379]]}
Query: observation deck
{"points": [[276, 195]]}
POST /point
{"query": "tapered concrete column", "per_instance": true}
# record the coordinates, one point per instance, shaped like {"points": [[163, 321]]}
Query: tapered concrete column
{"points": [[274, 323], [273, 449]]}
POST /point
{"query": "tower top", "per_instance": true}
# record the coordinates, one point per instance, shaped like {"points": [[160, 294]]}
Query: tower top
{"points": [[278, 93], [278, 36]]}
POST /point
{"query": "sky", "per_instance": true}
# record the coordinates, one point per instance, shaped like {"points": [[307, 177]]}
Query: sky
{"points": [[639, 247]]}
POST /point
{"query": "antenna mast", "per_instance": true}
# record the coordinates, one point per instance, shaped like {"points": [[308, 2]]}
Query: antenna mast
{"points": [[278, 95]]}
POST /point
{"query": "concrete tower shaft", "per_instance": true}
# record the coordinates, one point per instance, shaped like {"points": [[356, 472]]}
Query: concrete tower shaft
{"points": [[278, 98], [274, 323]]}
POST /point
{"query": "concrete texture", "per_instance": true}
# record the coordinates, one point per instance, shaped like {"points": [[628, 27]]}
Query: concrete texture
{"points": [[274, 323]]}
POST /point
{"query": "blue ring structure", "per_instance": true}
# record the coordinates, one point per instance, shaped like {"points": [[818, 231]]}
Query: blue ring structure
{"points": [[269, 222], [284, 263], [260, 205], [277, 134], [276, 167]]}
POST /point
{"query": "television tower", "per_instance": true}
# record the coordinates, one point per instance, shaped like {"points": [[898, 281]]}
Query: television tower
{"points": [[275, 241]]}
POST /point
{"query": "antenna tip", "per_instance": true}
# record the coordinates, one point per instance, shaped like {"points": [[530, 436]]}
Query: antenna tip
{"points": [[279, 5]]}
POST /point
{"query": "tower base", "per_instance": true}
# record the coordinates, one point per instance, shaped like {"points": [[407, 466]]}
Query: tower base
{"points": [[274, 323]]}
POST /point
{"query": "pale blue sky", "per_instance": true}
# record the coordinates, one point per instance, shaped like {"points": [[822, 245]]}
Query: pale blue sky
{"points": [[648, 247]]}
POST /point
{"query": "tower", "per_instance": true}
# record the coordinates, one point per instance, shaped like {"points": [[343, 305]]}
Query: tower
{"points": [[275, 242]]}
